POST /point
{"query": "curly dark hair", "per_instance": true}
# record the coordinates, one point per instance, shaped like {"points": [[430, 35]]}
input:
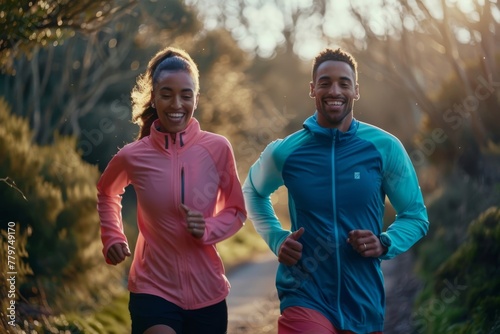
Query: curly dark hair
{"points": [[168, 59], [337, 55]]}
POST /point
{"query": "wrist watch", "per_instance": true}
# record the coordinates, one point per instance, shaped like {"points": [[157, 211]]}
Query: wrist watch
{"points": [[385, 240]]}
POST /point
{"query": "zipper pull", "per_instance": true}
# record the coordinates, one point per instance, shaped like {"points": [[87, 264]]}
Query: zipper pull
{"points": [[182, 185]]}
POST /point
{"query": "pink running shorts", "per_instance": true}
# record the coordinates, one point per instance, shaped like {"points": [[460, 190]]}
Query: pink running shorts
{"points": [[301, 320]]}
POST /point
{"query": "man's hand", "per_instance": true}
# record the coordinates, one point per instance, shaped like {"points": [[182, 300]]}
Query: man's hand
{"points": [[366, 243], [195, 223], [117, 253], [291, 249]]}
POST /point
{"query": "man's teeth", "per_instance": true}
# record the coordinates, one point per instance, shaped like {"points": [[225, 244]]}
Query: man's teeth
{"points": [[334, 103]]}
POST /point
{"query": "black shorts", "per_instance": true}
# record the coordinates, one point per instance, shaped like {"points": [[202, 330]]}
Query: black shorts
{"points": [[149, 310]]}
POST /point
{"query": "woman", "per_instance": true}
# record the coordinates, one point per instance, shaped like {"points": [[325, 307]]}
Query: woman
{"points": [[188, 199]]}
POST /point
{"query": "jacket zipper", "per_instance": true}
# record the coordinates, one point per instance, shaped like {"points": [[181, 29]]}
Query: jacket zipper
{"points": [[183, 267], [334, 206], [182, 185], [189, 294]]}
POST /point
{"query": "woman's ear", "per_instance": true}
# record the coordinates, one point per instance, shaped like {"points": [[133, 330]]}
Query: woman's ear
{"points": [[152, 100]]}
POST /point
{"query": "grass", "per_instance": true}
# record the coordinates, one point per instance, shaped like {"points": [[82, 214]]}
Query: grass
{"points": [[241, 247], [114, 317]]}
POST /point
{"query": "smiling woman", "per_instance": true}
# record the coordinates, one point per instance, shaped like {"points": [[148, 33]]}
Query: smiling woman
{"points": [[175, 98], [154, 88], [189, 198]]}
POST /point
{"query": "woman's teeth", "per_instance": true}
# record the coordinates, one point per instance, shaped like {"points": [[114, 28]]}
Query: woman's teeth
{"points": [[175, 115]]}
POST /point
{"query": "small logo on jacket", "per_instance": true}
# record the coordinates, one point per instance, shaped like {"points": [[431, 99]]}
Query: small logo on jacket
{"points": [[357, 175]]}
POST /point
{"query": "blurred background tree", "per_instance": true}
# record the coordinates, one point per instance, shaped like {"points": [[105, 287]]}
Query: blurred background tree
{"points": [[407, 48], [428, 73], [27, 25]]}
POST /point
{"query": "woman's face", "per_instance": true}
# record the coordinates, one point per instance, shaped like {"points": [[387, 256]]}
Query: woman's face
{"points": [[175, 100]]}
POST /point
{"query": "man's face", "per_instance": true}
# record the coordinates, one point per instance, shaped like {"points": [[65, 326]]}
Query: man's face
{"points": [[334, 90]]}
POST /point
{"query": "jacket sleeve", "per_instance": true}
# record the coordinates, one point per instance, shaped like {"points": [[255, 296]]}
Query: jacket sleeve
{"points": [[230, 212], [264, 177], [401, 186], [110, 189]]}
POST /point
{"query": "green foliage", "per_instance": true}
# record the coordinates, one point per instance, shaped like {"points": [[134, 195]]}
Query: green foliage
{"points": [[110, 319], [461, 199], [59, 211], [26, 24], [242, 246], [463, 297]]}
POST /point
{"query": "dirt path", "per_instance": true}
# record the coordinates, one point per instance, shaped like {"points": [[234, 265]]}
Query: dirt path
{"points": [[253, 303], [401, 287]]}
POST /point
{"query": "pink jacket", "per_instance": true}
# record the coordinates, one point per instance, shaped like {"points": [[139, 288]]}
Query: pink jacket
{"points": [[197, 169]]}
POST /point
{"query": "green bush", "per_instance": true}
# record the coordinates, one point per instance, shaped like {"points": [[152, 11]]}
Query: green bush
{"points": [[463, 296], [461, 200], [54, 204]]}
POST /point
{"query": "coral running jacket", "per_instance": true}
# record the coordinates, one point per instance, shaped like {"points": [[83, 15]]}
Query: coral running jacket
{"points": [[337, 182], [196, 168]]}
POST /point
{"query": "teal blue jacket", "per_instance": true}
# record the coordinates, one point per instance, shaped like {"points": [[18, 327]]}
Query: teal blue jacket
{"points": [[337, 182]]}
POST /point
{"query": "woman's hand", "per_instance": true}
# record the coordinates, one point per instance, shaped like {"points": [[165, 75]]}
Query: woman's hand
{"points": [[118, 253], [195, 223]]}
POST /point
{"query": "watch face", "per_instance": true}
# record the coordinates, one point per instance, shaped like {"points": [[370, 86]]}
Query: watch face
{"points": [[385, 240]]}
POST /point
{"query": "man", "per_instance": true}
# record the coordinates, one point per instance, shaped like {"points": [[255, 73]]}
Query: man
{"points": [[338, 171]]}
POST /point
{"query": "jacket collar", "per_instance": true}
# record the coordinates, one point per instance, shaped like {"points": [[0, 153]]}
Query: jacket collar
{"points": [[164, 141], [311, 125]]}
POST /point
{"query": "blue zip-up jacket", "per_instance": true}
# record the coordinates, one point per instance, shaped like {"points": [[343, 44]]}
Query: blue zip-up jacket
{"points": [[337, 182]]}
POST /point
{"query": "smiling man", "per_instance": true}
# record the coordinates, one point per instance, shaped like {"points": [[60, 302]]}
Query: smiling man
{"points": [[338, 172], [334, 89]]}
